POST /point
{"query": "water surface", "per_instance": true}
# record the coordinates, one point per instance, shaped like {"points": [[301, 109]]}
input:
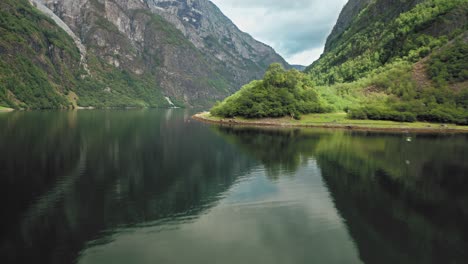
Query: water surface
{"points": [[154, 186]]}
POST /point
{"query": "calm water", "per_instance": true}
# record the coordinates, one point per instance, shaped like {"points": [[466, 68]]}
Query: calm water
{"points": [[153, 186]]}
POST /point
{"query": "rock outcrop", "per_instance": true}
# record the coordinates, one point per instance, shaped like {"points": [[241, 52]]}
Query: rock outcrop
{"points": [[38, 4], [192, 51], [213, 33]]}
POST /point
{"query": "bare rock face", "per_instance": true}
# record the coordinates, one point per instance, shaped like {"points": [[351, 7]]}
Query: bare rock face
{"points": [[195, 53], [213, 33], [38, 4]]}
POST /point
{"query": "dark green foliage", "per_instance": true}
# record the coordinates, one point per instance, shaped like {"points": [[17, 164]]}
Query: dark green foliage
{"points": [[384, 32], [376, 113], [423, 107], [451, 64], [444, 114], [413, 110], [280, 93], [33, 87], [405, 103], [33, 54]]}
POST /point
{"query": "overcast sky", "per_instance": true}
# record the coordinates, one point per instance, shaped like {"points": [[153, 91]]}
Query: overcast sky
{"points": [[296, 29]]}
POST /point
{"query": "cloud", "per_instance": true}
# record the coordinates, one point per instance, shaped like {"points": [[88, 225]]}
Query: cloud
{"points": [[306, 57], [297, 29]]}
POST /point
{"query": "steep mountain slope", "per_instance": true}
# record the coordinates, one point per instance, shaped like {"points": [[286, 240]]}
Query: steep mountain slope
{"points": [[38, 60], [213, 33], [400, 60], [370, 34], [150, 37], [347, 15], [123, 53]]}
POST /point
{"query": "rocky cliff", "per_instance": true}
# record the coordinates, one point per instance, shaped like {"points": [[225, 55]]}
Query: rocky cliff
{"points": [[150, 37], [136, 52], [213, 33]]}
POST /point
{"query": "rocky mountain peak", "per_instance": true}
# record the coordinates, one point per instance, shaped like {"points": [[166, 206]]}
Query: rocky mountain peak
{"points": [[187, 10], [210, 30], [150, 37]]}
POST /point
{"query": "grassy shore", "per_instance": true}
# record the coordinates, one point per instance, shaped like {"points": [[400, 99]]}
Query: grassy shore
{"points": [[5, 109], [334, 120]]}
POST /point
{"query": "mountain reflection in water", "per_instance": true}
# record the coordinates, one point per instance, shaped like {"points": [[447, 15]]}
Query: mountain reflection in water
{"points": [[153, 186], [403, 201]]}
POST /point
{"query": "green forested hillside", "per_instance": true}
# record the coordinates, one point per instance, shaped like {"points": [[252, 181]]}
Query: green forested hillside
{"points": [[396, 60], [40, 68], [35, 57], [385, 31], [280, 93]]}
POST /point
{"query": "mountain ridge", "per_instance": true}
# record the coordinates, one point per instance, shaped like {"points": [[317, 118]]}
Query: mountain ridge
{"points": [[138, 52]]}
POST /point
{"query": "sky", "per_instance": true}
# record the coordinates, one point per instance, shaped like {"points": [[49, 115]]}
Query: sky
{"points": [[296, 29]]}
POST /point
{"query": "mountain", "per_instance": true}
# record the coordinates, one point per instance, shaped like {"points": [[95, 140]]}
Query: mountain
{"points": [[114, 53], [372, 33], [213, 33], [298, 67], [399, 60]]}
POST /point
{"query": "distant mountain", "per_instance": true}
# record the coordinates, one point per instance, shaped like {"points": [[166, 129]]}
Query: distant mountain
{"points": [[214, 34], [114, 53], [298, 67]]}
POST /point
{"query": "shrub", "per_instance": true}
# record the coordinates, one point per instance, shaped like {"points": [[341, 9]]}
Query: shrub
{"points": [[450, 65], [380, 113], [280, 93]]}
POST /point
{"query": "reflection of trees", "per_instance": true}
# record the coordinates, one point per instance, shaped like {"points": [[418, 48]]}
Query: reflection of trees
{"points": [[415, 214], [280, 151], [97, 170], [32, 159], [404, 201]]}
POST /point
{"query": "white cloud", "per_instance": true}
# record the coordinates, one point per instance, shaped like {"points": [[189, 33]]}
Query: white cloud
{"points": [[297, 29], [306, 57]]}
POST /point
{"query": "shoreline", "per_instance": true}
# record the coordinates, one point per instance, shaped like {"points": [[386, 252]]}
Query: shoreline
{"points": [[6, 109], [373, 125]]}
